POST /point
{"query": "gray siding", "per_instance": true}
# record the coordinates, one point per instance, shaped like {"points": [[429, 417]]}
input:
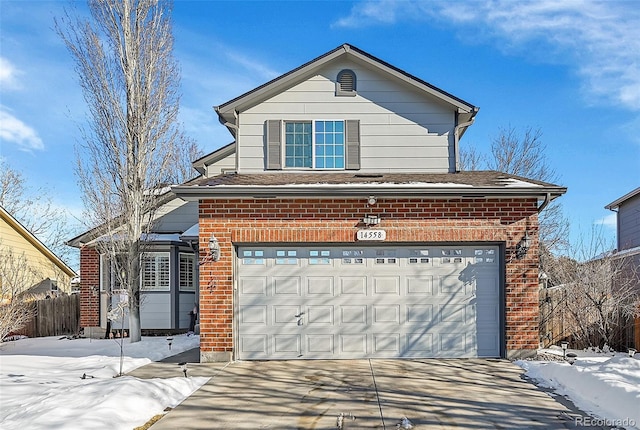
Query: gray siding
{"points": [[155, 311], [400, 130], [187, 301], [629, 223], [226, 164], [176, 216]]}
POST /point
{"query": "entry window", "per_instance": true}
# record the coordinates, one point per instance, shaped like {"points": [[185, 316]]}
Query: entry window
{"points": [[253, 257], [386, 256], [319, 256], [187, 272], [452, 252], [287, 256], [156, 272]]}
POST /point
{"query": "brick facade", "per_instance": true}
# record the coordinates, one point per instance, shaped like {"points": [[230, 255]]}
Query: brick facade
{"points": [[89, 287], [242, 221]]}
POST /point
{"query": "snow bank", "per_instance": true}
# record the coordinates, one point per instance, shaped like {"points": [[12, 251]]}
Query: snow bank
{"points": [[42, 385], [604, 385]]}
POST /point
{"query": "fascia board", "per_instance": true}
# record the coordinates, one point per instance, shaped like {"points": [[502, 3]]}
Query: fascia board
{"points": [[221, 191], [616, 203]]}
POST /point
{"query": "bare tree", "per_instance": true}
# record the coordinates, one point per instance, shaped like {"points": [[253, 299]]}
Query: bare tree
{"points": [[33, 207], [524, 154], [16, 276], [125, 64], [599, 290]]}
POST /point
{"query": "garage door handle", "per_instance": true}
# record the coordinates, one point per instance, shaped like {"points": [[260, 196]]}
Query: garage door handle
{"points": [[299, 315], [299, 321]]}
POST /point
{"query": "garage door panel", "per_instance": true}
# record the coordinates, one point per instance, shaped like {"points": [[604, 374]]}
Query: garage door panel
{"points": [[320, 344], [285, 315], [387, 344], [320, 315], [353, 285], [387, 315], [420, 314], [253, 315], [419, 286], [418, 344], [286, 345], [320, 286], [386, 286], [358, 302], [289, 285], [253, 286], [353, 314], [353, 344]]}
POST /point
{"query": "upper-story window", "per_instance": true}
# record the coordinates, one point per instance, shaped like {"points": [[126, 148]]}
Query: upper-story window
{"points": [[315, 144]]}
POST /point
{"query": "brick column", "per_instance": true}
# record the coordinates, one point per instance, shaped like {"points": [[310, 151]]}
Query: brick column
{"points": [[89, 287]]}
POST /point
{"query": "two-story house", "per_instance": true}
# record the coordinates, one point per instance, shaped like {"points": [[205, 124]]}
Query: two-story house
{"points": [[627, 210], [337, 224], [343, 228]]}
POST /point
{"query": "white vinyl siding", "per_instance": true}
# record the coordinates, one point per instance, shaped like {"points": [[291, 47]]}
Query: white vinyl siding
{"points": [[400, 131], [156, 271]]}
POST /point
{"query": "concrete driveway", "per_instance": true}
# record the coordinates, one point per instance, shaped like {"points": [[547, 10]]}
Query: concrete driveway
{"points": [[364, 394]]}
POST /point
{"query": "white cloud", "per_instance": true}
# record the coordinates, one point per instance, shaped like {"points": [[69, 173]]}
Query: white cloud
{"points": [[609, 221], [14, 130], [599, 40], [8, 75]]}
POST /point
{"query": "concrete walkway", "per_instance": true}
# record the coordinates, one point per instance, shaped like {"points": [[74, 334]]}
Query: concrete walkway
{"points": [[362, 394]]}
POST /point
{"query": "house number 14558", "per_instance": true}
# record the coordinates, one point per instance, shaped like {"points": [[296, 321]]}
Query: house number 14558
{"points": [[371, 235]]}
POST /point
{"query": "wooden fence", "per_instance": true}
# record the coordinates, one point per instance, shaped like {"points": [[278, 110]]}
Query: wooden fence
{"points": [[54, 317]]}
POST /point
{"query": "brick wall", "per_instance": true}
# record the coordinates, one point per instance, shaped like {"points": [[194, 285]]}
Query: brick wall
{"points": [[89, 287], [337, 220]]}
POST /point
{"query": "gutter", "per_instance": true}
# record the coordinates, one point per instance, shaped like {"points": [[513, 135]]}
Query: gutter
{"points": [[547, 200], [193, 193]]}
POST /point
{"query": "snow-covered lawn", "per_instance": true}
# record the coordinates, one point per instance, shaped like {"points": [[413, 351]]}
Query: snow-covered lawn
{"points": [[42, 385], [606, 385]]}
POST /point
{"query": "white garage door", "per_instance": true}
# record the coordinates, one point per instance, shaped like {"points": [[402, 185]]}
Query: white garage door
{"points": [[363, 302]]}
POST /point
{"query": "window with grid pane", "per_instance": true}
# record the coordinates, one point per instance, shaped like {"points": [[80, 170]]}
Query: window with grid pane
{"points": [[156, 271], [187, 272], [298, 144], [329, 144]]}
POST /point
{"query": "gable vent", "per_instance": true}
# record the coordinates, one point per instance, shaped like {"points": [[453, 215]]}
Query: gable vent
{"points": [[346, 83]]}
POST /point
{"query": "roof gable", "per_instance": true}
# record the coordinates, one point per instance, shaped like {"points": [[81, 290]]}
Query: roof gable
{"points": [[228, 110], [16, 226]]}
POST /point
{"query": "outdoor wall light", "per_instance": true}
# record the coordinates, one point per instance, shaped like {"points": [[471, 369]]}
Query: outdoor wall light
{"points": [[371, 220], [523, 246], [372, 200], [632, 352], [214, 248]]}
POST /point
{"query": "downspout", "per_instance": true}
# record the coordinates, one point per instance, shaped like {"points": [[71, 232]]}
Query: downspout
{"points": [[547, 200], [456, 137]]}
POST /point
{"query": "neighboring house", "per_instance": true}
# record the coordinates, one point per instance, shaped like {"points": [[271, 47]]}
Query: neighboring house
{"points": [[337, 225], [27, 264], [627, 210]]}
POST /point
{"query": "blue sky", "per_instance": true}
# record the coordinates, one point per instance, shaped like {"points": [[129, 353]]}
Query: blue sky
{"points": [[570, 68]]}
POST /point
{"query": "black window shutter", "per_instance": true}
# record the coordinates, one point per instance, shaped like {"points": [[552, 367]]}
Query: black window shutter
{"points": [[352, 142], [274, 144]]}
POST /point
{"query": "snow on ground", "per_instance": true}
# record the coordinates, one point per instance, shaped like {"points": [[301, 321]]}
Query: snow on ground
{"points": [[606, 385], [41, 385]]}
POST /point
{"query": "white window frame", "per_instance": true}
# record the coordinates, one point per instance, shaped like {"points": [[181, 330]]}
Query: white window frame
{"points": [[161, 283], [313, 144], [188, 286]]}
